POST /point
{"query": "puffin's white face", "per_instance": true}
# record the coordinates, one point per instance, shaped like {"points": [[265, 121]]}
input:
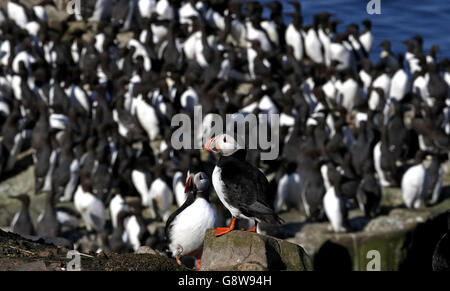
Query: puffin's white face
{"points": [[224, 144]]}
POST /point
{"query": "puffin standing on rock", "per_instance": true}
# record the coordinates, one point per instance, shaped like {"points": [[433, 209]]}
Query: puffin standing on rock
{"points": [[241, 187], [186, 227]]}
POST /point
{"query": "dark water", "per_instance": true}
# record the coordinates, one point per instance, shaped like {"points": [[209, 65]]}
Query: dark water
{"points": [[399, 20]]}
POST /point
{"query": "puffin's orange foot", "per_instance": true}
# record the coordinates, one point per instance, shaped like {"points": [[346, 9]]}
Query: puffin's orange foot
{"points": [[252, 230], [198, 264], [221, 231]]}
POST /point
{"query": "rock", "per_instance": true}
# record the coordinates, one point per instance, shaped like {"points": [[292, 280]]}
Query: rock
{"points": [[22, 182], [17, 253], [7, 265], [145, 250], [245, 251], [403, 239], [56, 241]]}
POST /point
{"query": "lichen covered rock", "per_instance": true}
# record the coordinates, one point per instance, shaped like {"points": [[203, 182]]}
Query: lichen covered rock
{"points": [[244, 251]]}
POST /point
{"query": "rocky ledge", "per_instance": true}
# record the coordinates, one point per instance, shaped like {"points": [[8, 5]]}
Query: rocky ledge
{"points": [[19, 254], [402, 239]]}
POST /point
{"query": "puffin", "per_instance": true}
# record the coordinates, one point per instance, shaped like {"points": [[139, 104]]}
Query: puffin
{"points": [[186, 227], [21, 223], [241, 187]]}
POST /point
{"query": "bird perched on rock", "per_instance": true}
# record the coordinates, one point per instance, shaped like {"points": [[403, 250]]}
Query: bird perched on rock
{"points": [[241, 187], [186, 227]]}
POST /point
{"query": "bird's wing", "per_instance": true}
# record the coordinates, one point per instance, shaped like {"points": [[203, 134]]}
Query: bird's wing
{"points": [[246, 188]]}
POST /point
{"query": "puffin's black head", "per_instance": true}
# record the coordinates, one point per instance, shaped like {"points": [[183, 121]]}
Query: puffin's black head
{"points": [[201, 182], [198, 184]]}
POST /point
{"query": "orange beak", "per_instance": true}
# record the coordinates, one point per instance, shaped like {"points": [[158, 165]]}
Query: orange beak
{"points": [[188, 183], [208, 145]]}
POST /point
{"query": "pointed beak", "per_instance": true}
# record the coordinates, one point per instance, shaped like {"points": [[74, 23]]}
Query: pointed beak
{"points": [[210, 145], [188, 183]]}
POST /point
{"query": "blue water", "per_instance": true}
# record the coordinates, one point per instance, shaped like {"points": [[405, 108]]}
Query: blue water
{"points": [[399, 20]]}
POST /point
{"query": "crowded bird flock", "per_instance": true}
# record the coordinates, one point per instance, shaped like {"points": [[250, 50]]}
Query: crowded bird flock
{"points": [[96, 113]]}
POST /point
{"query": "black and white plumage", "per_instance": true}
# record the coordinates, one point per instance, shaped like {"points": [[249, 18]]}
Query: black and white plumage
{"points": [[178, 188], [65, 175], [186, 227], [414, 183], [400, 84], [160, 197], [117, 240], [242, 188], [117, 205], [366, 37], [369, 192], [289, 189], [334, 205], [313, 46], [294, 38], [89, 206], [67, 218]]}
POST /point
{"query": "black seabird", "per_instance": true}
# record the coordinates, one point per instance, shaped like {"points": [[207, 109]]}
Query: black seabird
{"points": [[242, 188], [369, 192], [186, 227]]}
